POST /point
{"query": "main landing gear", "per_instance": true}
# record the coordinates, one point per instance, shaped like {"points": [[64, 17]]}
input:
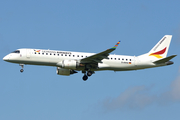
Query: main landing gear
{"points": [[22, 65], [89, 73], [85, 77]]}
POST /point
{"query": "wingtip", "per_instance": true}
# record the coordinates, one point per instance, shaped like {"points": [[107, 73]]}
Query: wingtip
{"points": [[115, 45]]}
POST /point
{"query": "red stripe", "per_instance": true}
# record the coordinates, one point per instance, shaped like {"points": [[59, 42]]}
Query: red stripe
{"points": [[160, 52]]}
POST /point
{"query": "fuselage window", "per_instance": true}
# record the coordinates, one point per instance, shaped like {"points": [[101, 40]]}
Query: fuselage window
{"points": [[50, 54], [39, 53], [42, 53], [118, 58], [73, 55], [77, 55], [115, 58], [58, 54], [123, 59], [61, 54], [46, 53], [81, 56], [111, 58], [54, 54], [129, 59], [69, 55], [65, 55], [126, 59], [35, 53]]}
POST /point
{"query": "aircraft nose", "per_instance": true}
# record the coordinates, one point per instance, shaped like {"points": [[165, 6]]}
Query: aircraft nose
{"points": [[6, 58]]}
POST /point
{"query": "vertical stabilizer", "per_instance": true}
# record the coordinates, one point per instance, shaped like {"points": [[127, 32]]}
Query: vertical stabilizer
{"points": [[160, 50]]}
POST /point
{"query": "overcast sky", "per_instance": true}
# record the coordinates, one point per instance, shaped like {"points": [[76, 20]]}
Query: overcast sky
{"points": [[89, 26]]}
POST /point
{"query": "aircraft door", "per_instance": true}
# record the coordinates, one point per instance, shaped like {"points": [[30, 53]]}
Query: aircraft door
{"points": [[28, 53], [136, 61]]}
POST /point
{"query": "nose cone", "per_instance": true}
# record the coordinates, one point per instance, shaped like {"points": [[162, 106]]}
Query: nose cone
{"points": [[6, 58]]}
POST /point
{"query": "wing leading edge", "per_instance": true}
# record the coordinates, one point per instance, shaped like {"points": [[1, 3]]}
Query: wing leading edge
{"points": [[97, 58]]}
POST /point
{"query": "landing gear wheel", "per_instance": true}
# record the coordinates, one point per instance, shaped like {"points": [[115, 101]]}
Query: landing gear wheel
{"points": [[89, 73], [22, 65], [21, 70], [85, 77]]}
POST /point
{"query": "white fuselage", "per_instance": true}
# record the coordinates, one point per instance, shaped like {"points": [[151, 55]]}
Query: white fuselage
{"points": [[52, 57]]}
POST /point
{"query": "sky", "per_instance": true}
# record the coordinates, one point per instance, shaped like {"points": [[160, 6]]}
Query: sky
{"points": [[89, 26]]}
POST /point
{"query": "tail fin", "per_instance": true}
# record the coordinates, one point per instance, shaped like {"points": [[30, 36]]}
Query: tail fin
{"points": [[160, 50]]}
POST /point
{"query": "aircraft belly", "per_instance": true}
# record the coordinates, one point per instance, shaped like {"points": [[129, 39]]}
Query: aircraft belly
{"points": [[116, 66]]}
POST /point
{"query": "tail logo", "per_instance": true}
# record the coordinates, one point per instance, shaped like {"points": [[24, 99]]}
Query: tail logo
{"points": [[159, 53]]}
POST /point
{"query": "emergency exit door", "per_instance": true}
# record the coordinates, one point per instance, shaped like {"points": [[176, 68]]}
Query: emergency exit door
{"points": [[28, 53]]}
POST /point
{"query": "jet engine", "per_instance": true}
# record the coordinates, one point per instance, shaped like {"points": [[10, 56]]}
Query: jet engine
{"points": [[66, 72], [68, 64]]}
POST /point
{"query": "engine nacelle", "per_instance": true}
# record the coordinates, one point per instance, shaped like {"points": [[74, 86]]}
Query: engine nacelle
{"points": [[68, 64], [66, 72]]}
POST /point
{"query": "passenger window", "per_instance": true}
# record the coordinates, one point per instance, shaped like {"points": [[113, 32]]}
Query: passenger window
{"points": [[118, 58], [50, 54], [77, 55], [129, 59], [69, 55], [115, 58], [123, 59], [126, 59], [46, 53], [42, 53], [54, 54], [61, 54]]}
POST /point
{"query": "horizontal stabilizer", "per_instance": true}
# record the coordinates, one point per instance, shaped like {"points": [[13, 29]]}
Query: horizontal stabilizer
{"points": [[164, 60]]}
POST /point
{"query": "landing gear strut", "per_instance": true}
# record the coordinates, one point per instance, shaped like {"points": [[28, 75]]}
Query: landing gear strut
{"points": [[22, 65]]}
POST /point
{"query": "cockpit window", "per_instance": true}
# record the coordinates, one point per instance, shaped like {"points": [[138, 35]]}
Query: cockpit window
{"points": [[17, 51]]}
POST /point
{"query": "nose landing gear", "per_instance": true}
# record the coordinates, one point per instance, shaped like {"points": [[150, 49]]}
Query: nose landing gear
{"points": [[22, 65], [21, 70]]}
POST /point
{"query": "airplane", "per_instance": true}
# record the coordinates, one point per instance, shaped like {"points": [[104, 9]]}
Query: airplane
{"points": [[68, 62]]}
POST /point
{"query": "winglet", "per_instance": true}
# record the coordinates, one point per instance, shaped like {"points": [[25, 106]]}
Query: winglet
{"points": [[115, 46]]}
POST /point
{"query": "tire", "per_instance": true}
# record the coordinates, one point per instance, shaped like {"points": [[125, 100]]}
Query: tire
{"points": [[21, 70], [85, 77]]}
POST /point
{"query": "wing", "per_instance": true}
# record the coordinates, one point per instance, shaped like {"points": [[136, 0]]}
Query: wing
{"points": [[96, 58]]}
